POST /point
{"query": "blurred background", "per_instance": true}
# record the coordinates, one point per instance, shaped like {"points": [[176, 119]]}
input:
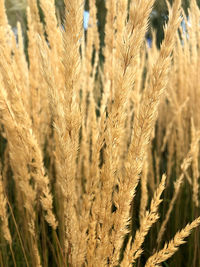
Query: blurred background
{"points": [[16, 10]]}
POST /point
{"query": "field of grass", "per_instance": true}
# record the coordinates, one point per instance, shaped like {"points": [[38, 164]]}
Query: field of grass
{"points": [[99, 155]]}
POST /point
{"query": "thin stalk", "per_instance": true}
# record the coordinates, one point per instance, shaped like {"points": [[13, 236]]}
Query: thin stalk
{"points": [[18, 233]]}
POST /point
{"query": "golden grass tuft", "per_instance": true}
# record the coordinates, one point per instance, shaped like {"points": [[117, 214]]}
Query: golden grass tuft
{"points": [[86, 133]]}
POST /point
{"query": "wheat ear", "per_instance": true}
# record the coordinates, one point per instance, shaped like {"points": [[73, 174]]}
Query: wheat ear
{"points": [[134, 250], [171, 247], [143, 125]]}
